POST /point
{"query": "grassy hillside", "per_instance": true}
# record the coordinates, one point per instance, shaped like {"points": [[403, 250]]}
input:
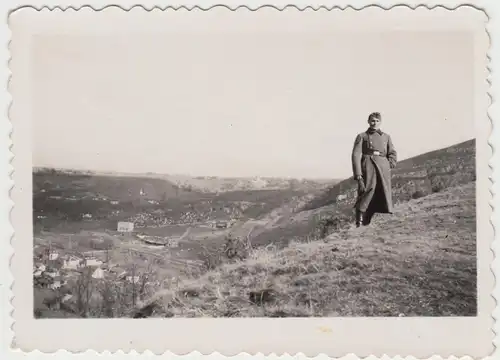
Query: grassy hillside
{"points": [[419, 262]]}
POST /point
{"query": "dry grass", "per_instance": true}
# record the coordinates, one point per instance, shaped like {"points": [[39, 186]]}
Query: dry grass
{"points": [[421, 261]]}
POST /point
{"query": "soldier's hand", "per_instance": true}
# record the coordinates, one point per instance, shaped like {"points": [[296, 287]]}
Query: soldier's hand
{"points": [[361, 186]]}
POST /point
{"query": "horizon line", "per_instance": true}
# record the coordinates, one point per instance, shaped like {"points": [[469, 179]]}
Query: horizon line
{"points": [[126, 173]]}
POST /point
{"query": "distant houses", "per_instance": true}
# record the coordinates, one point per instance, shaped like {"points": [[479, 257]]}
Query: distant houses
{"points": [[61, 274]]}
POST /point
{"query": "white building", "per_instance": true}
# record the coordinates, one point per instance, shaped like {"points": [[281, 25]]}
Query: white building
{"points": [[55, 285], [72, 262], [53, 274], [92, 262], [132, 279], [37, 273], [41, 267], [53, 255], [98, 273], [125, 227]]}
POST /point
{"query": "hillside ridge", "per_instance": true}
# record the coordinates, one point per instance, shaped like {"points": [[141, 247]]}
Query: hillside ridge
{"points": [[204, 184]]}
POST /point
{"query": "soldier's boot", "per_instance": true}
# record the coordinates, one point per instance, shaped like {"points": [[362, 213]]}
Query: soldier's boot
{"points": [[367, 218], [359, 218]]}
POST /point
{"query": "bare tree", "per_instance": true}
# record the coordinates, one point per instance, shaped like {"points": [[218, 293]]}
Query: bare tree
{"points": [[109, 298], [134, 284], [83, 290]]}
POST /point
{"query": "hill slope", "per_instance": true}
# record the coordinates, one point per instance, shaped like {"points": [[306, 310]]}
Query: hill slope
{"points": [[223, 184], [115, 187], [419, 262]]}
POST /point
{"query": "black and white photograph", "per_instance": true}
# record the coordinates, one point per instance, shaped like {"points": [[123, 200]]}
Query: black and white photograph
{"points": [[256, 164], [345, 188]]}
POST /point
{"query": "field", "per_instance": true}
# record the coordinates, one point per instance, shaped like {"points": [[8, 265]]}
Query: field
{"points": [[275, 248]]}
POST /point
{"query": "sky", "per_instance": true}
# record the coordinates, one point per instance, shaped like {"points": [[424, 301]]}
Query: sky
{"points": [[269, 103]]}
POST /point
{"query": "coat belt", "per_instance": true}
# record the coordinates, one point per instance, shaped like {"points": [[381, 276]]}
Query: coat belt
{"points": [[376, 153]]}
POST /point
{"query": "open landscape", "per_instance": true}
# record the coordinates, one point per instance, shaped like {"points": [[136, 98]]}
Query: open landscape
{"points": [[130, 245]]}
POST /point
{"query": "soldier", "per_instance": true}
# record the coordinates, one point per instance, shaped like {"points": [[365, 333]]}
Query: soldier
{"points": [[373, 157]]}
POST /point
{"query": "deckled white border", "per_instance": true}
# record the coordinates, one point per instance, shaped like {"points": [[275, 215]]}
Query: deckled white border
{"points": [[491, 7]]}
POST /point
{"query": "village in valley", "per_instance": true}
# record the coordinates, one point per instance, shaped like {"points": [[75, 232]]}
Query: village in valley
{"points": [[130, 243]]}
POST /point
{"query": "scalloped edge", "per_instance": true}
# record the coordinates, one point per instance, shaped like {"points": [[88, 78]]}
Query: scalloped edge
{"points": [[11, 171]]}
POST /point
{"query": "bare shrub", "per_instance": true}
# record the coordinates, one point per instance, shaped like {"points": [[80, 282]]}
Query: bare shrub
{"points": [[108, 291], [110, 297], [329, 224], [235, 248], [438, 185], [418, 194], [211, 258]]}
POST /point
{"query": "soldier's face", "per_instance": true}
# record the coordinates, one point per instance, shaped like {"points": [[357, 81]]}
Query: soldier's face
{"points": [[374, 123]]}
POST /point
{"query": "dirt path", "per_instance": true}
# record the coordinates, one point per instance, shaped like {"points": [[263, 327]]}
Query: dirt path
{"points": [[185, 233]]}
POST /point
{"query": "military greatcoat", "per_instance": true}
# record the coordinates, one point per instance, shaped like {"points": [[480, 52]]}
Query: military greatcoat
{"points": [[373, 157]]}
